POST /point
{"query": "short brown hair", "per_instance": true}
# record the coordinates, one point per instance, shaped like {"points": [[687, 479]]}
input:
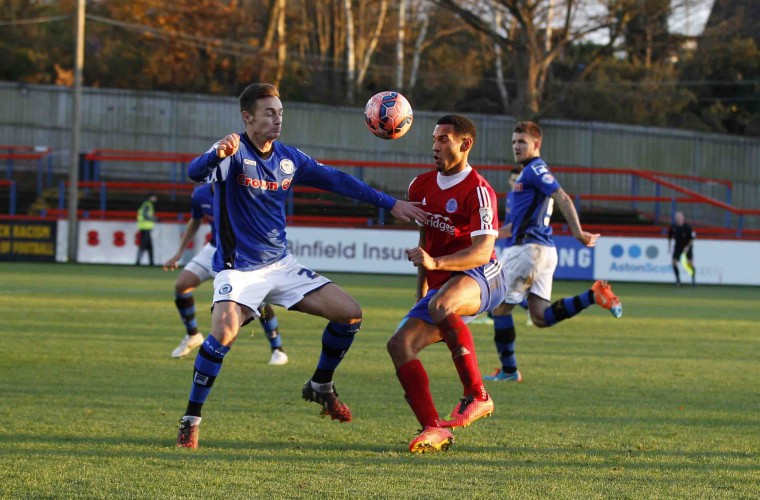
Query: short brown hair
{"points": [[527, 127], [463, 126], [254, 92]]}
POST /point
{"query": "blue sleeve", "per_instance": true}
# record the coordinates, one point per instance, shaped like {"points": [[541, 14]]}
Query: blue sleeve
{"points": [[202, 167], [542, 179], [196, 209], [315, 174]]}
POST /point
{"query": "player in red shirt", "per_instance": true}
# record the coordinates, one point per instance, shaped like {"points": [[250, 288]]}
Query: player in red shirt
{"points": [[459, 277]]}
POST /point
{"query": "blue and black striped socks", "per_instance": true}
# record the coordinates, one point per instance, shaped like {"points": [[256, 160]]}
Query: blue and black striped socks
{"points": [[567, 308], [208, 364], [504, 337], [336, 340], [186, 306]]}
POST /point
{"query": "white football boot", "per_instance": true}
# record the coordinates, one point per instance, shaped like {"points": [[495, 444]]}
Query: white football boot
{"points": [[188, 344], [278, 357]]}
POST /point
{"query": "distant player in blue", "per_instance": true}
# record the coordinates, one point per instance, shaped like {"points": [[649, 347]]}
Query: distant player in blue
{"points": [[252, 174], [531, 257], [199, 270]]}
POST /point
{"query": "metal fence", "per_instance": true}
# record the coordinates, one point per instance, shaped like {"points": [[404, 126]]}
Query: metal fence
{"points": [[161, 121]]}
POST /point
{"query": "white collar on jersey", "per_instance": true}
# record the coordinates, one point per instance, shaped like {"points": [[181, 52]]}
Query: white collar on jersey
{"points": [[448, 181]]}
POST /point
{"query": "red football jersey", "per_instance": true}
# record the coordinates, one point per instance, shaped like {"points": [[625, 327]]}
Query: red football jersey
{"points": [[461, 206]]}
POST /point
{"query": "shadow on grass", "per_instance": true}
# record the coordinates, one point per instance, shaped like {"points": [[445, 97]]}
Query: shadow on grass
{"points": [[294, 452]]}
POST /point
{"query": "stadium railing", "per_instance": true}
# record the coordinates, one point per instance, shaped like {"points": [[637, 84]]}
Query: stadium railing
{"points": [[654, 195], [11, 185], [42, 155]]}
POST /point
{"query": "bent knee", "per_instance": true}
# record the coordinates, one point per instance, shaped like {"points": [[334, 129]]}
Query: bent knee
{"points": [[350, 314], [400, 349], [394, 345], [439, 308], [182, 288]]}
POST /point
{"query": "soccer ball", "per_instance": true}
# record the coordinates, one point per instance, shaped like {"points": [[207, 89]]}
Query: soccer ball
{"points": [[388, 115]]}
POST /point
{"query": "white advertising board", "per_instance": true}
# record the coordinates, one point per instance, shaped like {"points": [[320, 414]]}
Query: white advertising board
{"points": [[353, 250], [381, 251], [321, 249], [114, 242], [647, 259]]}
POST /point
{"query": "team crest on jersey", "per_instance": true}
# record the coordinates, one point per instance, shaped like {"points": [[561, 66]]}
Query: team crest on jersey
{"points": [[451, 206], [547, 179], [486, 215], [225, 289], [248, 161], [287, 166], [518, 186]]}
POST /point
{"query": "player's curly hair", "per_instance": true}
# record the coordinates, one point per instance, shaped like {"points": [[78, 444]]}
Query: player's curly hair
{"points": [[527, 127], [254, 92], [463, 126]]}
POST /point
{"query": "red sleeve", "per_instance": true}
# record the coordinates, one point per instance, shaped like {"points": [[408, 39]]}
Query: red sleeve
{"points": [[483, 217], [412, 190]]}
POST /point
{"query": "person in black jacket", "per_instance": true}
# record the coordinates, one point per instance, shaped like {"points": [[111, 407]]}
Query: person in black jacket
{"points": [[684, 236]]}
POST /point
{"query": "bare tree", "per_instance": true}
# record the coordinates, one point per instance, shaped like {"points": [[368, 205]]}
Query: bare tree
{"points": [[282, 47], [402, 6], [423, 16], [370, 49], [499, 68], [536, 45], [350, 51], [275, 28]]}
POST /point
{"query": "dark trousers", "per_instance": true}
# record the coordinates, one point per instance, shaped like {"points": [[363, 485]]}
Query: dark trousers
{"points": [[146, 243]]}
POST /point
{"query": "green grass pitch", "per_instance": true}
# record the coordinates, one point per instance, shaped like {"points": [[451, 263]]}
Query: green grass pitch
{"points": [[664, 402]]}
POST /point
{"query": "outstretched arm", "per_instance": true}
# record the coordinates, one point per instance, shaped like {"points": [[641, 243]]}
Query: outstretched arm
{"points": [[315, 174], [190, 229], [200, 168], [407, 210], [567, 208]]}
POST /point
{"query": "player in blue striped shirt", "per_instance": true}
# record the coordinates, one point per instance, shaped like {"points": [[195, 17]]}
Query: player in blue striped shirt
{"points": [[252, 174], [531, 257]]}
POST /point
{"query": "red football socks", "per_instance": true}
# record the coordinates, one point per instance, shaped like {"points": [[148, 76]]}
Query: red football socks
{"points": [[459, 340], [416, 384]]}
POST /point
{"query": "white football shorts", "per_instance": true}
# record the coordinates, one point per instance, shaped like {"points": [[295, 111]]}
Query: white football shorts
{"points": [[529, 269], [284, 283], [201, 263]]}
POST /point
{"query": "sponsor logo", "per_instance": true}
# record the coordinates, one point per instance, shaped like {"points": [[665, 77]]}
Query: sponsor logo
{"points": [[248, 161], [637, 259], [287, 166], [200, 379], [424, 201], [441, 223], [225, 289], [486, 215], [634, 251], [539, 169], [451, 206], [263, 184], [547, 179]]}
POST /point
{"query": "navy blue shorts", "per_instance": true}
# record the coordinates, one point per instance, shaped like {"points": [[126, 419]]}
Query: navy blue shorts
{"points": [[493, 288]]}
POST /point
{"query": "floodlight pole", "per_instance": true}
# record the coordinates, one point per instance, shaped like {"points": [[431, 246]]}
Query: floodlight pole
{"points": [[76, 125]]}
